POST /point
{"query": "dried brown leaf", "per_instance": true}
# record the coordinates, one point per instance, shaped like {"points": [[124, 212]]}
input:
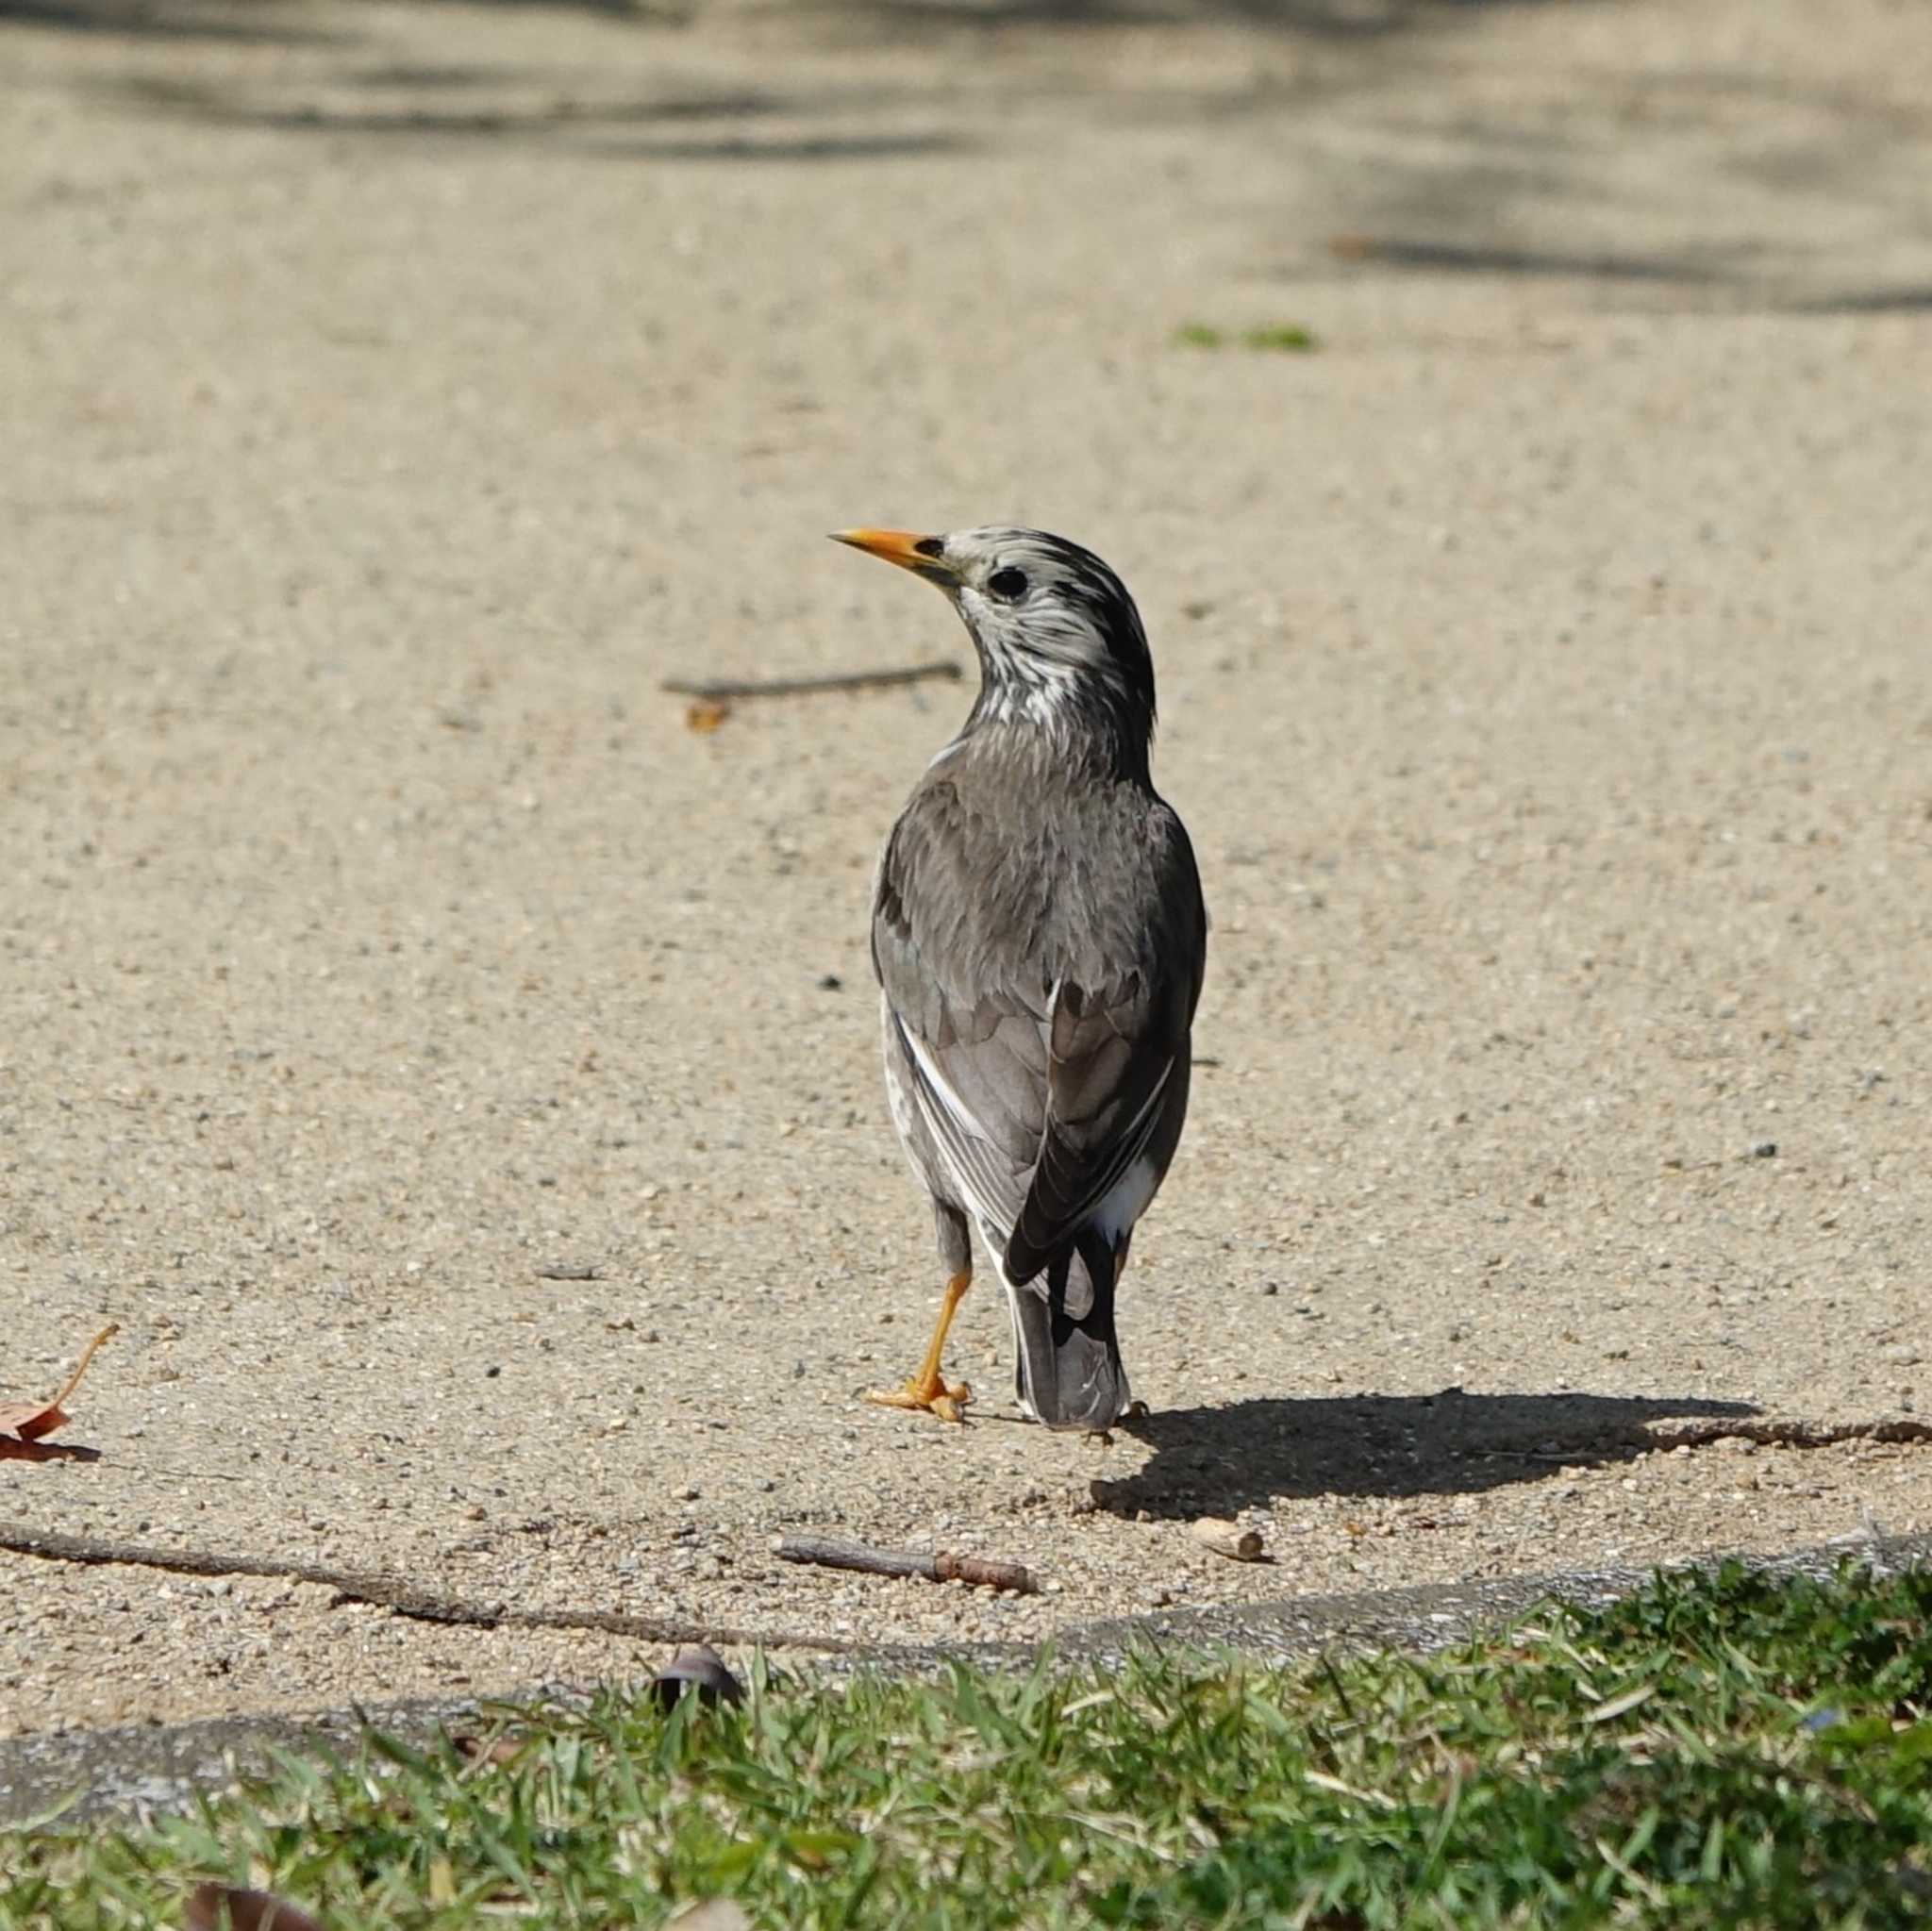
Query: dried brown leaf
{"points": [[29, 1421]]}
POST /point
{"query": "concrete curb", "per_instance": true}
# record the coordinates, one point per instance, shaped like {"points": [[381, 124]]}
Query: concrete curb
{"points": [[81, 1775]]}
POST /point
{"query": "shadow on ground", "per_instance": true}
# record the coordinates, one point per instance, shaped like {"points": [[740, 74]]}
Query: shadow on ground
{"points": [[1254, 1453], [1726, 184], [1720, 185], [545, 103], [1324, 20], [423, 104], [276, 23], [595, 112], [268, 20]]}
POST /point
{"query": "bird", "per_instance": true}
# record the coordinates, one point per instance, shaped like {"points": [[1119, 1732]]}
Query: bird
{"points": [[1040, 937]]}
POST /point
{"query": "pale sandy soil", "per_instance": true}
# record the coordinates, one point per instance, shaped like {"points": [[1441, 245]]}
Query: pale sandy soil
{"points": [[393, 395]]}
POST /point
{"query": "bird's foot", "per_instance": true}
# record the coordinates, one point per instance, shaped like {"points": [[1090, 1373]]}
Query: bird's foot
{"points": [[933, 1394], [1102, 1438]]}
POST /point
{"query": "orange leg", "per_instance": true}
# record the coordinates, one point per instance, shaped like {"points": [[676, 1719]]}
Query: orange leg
{"points": [[928, 1389]]}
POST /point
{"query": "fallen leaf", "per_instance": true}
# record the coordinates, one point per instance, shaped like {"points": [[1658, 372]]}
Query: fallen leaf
{"points": [[29, 1421], [225, 1907]]}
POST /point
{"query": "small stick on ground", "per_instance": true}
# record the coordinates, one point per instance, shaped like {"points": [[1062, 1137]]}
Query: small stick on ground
{"points": [[726, 689], [940, 1567], [404, 1599]]}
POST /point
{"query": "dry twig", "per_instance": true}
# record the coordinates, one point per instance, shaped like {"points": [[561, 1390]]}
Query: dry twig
{"points": [[404, 1599], [940, 1567], [725, 690]]}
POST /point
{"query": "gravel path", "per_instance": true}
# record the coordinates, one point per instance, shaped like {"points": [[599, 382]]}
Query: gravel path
{"points": [[395, 395]]}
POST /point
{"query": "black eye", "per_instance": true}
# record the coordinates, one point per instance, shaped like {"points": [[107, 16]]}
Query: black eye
{"points": [[1009, 585]]}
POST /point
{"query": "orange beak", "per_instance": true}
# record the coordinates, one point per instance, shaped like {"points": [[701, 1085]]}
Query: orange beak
{"points": [[903, 547]]}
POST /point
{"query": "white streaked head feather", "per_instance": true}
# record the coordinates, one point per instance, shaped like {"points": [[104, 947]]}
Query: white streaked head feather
{"points": [[1057, 631]]}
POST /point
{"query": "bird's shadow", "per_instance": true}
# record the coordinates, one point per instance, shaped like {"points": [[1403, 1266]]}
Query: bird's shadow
{"points": [[1254, 1453]]}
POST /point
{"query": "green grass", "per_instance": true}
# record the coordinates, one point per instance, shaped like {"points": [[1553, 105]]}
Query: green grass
{"points": [[1716, 1751], [1288, 338]]}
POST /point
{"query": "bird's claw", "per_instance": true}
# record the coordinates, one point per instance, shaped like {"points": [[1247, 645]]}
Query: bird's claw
{"points": [[948, 1401]]}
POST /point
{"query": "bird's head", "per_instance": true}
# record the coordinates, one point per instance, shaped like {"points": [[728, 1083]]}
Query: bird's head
{"points": [[1059, 640]]}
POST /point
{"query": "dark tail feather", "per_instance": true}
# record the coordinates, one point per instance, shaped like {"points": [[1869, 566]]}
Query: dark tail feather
{"points": [[1069, 1371]]}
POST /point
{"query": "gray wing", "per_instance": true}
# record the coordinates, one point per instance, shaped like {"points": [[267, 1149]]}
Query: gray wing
{"points": [[976, 1047], [1118, 1070], [1049, 1054], [1119, 1054]]}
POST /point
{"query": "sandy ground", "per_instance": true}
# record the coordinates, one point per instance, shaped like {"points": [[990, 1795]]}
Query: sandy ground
{"points": [[393, 395]]}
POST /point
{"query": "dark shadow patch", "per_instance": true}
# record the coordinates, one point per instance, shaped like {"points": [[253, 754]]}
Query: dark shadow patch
{"points": [[268, 23], [1905, 301], [1321, 20], [273, 20], [1448, 257], [1254, 1453], [1449, 188], [561, 120], [807, 147]]}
